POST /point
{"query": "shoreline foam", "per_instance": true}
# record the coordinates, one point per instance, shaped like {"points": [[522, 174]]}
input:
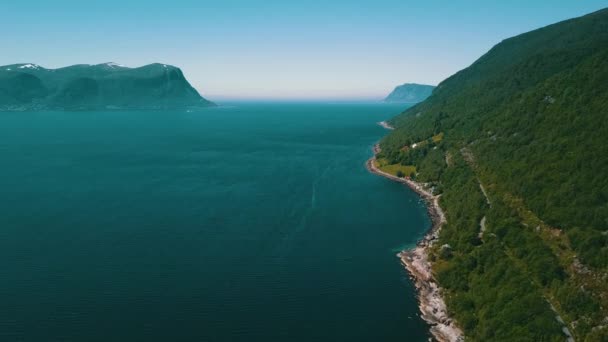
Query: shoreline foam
{"points": [[431, 302]]}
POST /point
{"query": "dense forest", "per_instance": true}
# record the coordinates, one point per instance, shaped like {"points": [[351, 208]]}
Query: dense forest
{"points": [[522, 167]]}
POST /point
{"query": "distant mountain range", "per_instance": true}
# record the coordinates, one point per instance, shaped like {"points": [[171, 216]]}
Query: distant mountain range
{"points": [[410, 93], [92, 87]]}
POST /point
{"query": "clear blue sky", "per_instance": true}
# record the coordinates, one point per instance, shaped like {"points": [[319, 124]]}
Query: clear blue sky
{"points": [[330, 49]]}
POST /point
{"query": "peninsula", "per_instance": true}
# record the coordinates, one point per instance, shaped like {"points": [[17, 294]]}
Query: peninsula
{"points": [[410, 93]]}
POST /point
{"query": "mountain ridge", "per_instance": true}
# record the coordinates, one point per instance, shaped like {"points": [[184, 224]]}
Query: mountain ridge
{"points": [[28, 86], [410, 93]]}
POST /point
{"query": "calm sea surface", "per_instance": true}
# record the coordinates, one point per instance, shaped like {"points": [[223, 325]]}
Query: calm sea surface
{"points": [[247, 222]]}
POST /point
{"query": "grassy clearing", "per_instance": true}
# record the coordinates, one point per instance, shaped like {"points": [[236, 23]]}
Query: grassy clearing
{"points": [[437, 138], [393, 169]]}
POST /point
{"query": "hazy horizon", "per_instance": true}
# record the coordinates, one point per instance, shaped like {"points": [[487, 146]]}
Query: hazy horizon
{"points": [[242, 50]]}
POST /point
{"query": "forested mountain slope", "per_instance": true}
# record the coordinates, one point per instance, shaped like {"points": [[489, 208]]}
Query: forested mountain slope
{"points": [[517, 144]]}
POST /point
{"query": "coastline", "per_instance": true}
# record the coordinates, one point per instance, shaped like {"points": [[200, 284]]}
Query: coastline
{"points": [[386, 125], [431, 302]]}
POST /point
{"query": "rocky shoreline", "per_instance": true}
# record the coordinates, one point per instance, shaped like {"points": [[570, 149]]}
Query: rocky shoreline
{"points": [[431, 302]]}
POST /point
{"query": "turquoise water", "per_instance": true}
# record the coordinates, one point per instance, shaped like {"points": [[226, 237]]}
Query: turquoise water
{"points": [[247, 222]]}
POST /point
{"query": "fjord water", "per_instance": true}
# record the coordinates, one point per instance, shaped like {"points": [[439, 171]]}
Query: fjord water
{"points": [[246, 222]]}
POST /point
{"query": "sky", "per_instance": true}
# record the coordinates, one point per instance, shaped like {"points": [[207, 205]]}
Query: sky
{"points": [[281, 50]]}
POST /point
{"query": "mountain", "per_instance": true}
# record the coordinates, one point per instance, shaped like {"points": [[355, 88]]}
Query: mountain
{"points": [[516, 145], [90, 87], [410, 93]]}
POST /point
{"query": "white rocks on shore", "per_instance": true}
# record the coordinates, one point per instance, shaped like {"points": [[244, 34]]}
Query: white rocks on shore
{"points": [[432, 305], [386, 125]]}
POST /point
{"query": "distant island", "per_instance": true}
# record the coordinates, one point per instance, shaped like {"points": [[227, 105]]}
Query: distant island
{"points": [[107, 86], [410, 93]]}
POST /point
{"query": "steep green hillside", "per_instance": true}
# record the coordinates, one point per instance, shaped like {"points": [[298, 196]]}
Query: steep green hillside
{"points": [[410, 93], [90, 87], [527, 124]]}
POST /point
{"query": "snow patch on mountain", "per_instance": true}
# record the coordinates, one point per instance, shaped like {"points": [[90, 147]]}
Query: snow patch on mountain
{"points": [[29, 66]]}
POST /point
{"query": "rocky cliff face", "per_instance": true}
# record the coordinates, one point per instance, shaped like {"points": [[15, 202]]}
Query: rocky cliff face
{"points": [[93, 87]]}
